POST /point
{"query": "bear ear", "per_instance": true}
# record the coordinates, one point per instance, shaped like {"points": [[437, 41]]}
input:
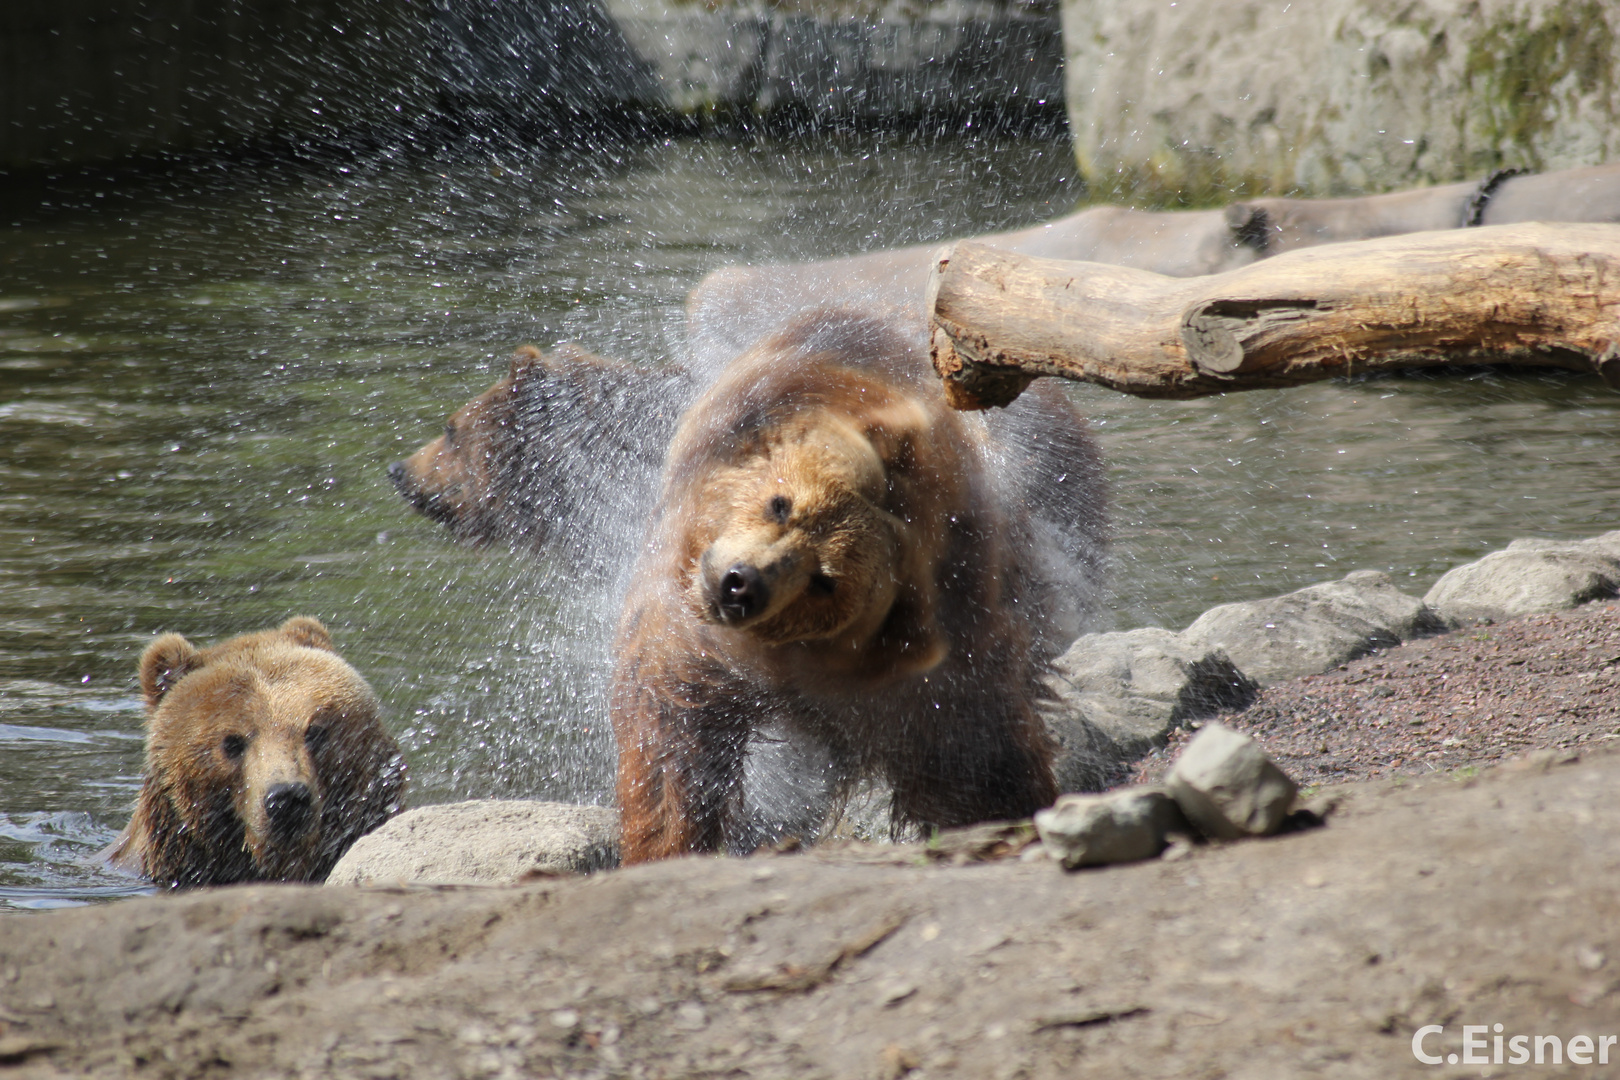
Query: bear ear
{"points": [[308, 632], [164, 663], [523, 361]]}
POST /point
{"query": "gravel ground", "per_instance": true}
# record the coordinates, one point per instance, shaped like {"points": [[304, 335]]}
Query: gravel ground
{"points": [[1472, 697]]}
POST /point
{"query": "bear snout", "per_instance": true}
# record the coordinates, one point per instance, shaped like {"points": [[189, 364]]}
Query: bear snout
{"points": [[290, 810], [742, 593], [434, 505], [750, 582], [404, 483]]}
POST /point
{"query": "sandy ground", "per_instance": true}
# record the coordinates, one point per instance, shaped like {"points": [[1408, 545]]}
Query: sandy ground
{"points": [[1474, 897]]}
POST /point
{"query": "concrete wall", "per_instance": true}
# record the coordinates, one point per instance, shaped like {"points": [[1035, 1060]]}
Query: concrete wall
{"points": [[1214, 97], [96, 80]]}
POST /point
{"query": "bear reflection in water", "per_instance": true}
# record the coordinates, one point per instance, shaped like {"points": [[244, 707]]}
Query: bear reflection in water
{"points": [[842, 579], [266, 760]]}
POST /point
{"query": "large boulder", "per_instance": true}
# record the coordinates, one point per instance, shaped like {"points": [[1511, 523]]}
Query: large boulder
{"points": [[483, 842], [1313, 629], [1335, 96], [1113, 697], [1530, 577]]}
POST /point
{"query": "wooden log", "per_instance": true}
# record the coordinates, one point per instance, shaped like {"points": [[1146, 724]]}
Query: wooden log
{"points": [[1539, 295]]}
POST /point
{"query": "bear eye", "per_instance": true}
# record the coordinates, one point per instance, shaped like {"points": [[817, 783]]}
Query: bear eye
{"points": [[779, 508], [822, 585], [233, 746], [315, 736], [450, 434]]}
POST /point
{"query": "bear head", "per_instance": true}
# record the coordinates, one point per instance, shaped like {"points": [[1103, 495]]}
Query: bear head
{"points": [[525, 461], [465, 478], [266, 759], [815, 497]]}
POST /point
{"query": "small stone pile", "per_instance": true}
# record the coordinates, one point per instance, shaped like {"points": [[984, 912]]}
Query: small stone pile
{"points": [[1223, 787]]}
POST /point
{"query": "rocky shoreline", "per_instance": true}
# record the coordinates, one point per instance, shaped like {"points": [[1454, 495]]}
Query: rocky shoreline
{"points": [[1118, 696], [1543, 683]]}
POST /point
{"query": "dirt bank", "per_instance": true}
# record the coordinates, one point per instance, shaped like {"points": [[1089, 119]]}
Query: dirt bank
{"points": [[1492, 899], [1448, 899]]}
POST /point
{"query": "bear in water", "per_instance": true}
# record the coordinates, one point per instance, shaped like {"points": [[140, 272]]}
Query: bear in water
{"points": [[266, 758], [564, 444]]}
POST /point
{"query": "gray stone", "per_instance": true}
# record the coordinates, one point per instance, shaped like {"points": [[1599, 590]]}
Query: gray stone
{"points": [[484, 842], [1113, 697], [863, 60], [1227, 786], [897, 60], [1530, 577], [1332, 96], [1097, 830], [1314, 628], [701, 59]]}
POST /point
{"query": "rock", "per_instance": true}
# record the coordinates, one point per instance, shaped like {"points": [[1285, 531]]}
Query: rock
{"points": [[1228, 787], [1114, 697], [1332, 97], [701, 57], [1121, 826], [1314, 628], [1530, 577], [868, 60], [483, 842]]}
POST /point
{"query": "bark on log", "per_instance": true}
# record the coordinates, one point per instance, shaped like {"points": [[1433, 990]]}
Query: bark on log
{"points": [[1539, 294]]}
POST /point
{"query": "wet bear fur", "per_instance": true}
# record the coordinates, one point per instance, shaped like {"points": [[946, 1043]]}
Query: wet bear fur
{"points": [[839, 559], [265, 760]]}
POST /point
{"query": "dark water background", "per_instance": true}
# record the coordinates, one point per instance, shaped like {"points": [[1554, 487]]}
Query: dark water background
{"points": [[203, 375]]}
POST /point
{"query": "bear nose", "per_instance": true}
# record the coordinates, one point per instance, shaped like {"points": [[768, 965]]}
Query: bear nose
{"points": [[288, 807], [396, 473], [743, 593]]}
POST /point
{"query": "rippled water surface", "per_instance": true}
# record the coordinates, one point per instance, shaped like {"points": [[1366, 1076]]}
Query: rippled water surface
{"points": [[203, 376]]}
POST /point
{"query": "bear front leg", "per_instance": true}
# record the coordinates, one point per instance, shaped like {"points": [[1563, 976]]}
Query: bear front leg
{"points": [[984, 764], [680, 774]]}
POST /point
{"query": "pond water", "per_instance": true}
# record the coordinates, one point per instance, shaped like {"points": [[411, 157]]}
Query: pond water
{"points": [[204, 374]]}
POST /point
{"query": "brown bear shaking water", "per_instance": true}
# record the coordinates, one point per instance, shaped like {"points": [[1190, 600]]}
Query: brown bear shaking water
{"points": [[265, 760], [838, 555]]}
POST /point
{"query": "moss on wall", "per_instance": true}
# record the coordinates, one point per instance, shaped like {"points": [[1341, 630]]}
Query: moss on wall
{"points": [[1523, 74]]}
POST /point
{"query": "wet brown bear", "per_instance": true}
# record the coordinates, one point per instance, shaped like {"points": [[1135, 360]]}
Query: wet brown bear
{"points": [[839, 556], [265, 760], [564, 442]]}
